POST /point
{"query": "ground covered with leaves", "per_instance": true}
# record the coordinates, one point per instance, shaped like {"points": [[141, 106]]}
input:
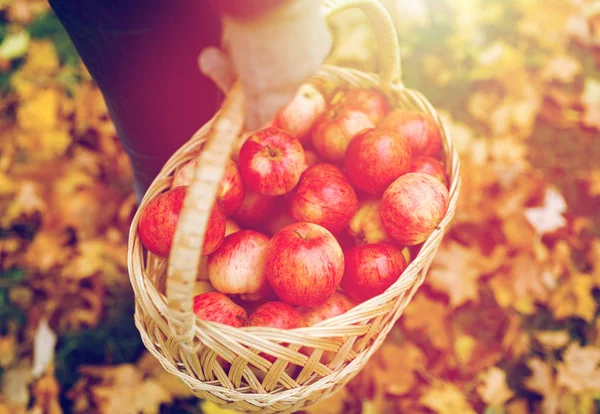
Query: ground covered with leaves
{"points": [[508, 319]]}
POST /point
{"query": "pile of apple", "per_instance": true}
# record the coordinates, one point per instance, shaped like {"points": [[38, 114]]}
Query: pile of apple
{"points": [[317, 212]]}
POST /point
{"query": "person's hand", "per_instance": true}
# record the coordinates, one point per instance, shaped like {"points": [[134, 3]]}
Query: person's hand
{"points": [[271, 54]]}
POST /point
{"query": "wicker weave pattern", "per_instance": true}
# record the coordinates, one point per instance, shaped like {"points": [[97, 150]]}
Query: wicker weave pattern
{"points": [[222, 363]]}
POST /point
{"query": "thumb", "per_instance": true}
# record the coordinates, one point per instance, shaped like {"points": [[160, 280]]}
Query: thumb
{"points": [[217, 66]]}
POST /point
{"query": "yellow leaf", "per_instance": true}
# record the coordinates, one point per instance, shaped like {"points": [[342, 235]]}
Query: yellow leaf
{"points": [[591, 102], [445, 398], [552, 339], [562, 68], [333, 405], [8, 346], [40, 112], [456, 271], [92, 257], [574, 298], [47, 251], [7, 185], [579, 370], [41, 58], [429, 318], [122, 389], [494, 390], [463, 348], [28, 200], [14, 45], [395, 367], [209, 407], [518, 406], [543, 382]]}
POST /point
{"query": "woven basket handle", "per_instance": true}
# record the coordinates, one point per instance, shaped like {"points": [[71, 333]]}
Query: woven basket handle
{"points": [[201, 194], [389, 51]]}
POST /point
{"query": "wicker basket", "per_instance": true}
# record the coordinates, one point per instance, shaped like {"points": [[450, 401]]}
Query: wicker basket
{"points": [[223, 364]]}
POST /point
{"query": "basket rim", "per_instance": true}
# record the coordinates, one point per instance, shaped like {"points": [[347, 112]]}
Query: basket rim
{"points": [[357, 77]]}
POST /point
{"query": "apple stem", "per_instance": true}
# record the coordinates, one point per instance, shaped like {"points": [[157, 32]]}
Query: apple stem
{"points": [[299, 234]]}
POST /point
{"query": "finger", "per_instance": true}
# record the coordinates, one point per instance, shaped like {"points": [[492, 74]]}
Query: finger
{"points": [[215, 65]]}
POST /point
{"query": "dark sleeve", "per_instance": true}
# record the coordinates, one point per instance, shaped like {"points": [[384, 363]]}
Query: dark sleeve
{"points": [[245, 8], [143, 55]]}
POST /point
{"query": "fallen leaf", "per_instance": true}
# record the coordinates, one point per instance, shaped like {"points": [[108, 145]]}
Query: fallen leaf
{"points": [[549, 217], [15, 385], [123, 389], [579, 369], [332, 405], [209, 407], [494, 390], [562, 68], [48, 250], [445, 398], [463, 348], [7, 349], [429, 318], [43, 348], [27, 201], [543, 382], [574, 297], [14, 45], [456, 270], [590, 98], [396, 367], [46, 395], [552, 339]]}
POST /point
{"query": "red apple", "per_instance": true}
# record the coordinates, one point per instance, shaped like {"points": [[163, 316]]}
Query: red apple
{"points": [[310, 158], [412, 207], [366, 226], [371, 101], [216, 307], [238, 266], [276, 315], [231, 190], [337, 304], [324, 196], [375, 158], [305, 264], [431, 166], [371, 269], [335, 129], [300, 114], [159, 219], [271, 161], [254, 209], [215, 231], [418, 128], [279, 220]]}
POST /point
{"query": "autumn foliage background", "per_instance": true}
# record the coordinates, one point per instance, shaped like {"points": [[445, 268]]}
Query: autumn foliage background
{"points": [[507, 321]]}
